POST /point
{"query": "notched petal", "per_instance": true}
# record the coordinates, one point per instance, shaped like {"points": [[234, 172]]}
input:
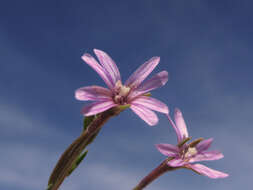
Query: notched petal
{"points": [[176, 162], [146, 114], [167, 149], [109, 65], [180, 123], [156, 81], [91, 61], [97, 107], [95, 93], [206, 156], [142, 72], [151, 103], [204, 145], [203, 170]]}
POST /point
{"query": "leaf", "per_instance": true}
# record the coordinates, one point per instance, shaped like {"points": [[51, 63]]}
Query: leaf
{"points": [[87, 121], [49, 186], [67, 161], [78, 161]]}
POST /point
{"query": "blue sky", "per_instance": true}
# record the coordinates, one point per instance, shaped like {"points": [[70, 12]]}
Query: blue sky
{"points": [[204, 45]]}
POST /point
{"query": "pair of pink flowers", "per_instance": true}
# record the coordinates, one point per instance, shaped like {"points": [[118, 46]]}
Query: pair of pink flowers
{"points": [[133, 92]]}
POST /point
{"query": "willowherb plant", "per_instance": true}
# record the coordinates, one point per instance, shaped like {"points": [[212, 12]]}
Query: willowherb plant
{"points": [[133, 94]]}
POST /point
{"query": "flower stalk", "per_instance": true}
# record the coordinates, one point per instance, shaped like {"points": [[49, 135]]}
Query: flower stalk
{"points": [[68, 158], [154, 174], [184, 154]]}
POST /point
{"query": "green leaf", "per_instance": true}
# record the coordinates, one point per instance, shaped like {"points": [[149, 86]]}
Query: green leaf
{"points": [[49, 186], [81, 157], [78, 161], [87, 121]]}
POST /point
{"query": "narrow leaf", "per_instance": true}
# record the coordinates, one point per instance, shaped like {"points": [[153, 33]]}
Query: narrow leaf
{"points": [[81, 157], [49, 186], [77, 162], [87, 121]]}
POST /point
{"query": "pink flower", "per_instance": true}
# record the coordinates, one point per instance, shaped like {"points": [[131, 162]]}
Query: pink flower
{"points": [[132, 92], [184, 154]]}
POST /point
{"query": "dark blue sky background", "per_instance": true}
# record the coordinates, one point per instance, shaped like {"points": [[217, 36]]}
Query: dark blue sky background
{"points": [[206, 46]]}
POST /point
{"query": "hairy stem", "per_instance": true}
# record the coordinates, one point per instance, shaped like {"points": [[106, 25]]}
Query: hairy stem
{"points": [[70, 155], [154, 174]]}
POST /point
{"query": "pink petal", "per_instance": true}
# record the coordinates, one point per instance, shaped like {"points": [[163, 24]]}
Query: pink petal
{"points": [[156, 81], [178, 133], [167, 149], [204, 145], [146, 114], [203, 170], [151, 103], [176, 162], [204, 156], [108, 65], [142, 72], [97, 67], [97, 107], [180, 123], [95, 93]]}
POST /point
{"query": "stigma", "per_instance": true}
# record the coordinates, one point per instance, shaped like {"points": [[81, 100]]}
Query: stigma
{"points": [[120, 93]]}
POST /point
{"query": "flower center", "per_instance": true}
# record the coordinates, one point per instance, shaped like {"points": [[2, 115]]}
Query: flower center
{"points": [[191, 151], [120, 93]]}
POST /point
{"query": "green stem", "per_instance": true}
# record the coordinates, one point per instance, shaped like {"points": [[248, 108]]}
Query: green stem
{"points": [[68, 158]]}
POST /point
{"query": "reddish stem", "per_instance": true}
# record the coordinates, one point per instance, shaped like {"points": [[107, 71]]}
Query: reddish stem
{"points": [[154, 174], [70, 155]]}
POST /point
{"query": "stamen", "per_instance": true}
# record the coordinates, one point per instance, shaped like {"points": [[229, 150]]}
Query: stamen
{"points": [[124, 90], [191, 152], [121, 93], [118, 84]]}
